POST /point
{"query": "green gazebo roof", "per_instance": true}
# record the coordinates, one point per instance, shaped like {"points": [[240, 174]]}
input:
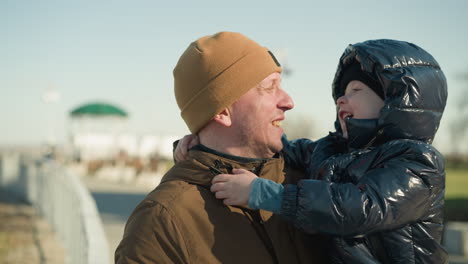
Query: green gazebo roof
{"points": [[98, 109]]}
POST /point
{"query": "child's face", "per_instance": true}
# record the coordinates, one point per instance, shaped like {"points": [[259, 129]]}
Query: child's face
{"points": [[360, 102]]}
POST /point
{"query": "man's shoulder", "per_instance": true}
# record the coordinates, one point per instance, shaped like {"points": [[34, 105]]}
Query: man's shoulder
{"points": [[172, 193], [167, 201]]}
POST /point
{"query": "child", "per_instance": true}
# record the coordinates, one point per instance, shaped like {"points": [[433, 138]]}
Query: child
{"points": [[376, 185]]}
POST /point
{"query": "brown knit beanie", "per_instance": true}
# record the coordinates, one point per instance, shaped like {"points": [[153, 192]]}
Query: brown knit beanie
{"points": [[215, 71]]}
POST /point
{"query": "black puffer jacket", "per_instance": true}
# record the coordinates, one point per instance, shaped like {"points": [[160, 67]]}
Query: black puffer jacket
{"points": [[382, 196]]}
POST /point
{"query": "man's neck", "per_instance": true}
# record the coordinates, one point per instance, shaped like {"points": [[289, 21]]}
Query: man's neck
{"points": [[231, 145], [204, 148]]}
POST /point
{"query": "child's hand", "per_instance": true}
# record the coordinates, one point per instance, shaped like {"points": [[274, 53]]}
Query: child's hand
{"points": [[181, 151], [233, 188]]}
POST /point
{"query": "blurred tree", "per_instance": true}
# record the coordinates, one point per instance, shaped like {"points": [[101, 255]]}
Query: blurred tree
{"points": [[459, 125], [282, 56], [299, 126]]}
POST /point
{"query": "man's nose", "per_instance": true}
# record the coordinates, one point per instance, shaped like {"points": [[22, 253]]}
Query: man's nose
{"points": [[286, 103]]}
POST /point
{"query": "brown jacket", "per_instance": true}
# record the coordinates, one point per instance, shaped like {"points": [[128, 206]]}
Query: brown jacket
{"points": [[181, 221]]}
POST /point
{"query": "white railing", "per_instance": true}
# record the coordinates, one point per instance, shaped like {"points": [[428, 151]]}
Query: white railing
{"points": [[63, 200]]}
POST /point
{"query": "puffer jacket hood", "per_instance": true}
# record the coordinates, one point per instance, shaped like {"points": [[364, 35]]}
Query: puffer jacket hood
{"points": [[415, 90]]}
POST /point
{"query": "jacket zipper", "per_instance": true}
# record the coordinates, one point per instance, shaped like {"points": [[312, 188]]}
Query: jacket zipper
{"points": [[260, 229], [259, 225]]}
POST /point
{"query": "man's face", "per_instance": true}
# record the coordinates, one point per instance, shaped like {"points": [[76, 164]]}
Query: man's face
{"points": [[360, 102], [258, 114]]}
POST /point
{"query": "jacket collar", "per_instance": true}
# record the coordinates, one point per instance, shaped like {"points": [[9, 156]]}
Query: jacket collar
{"points": [[205, 163]]}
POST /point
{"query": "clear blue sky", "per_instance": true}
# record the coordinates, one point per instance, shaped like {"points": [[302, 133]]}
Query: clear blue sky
{"points": [[123, 52]]}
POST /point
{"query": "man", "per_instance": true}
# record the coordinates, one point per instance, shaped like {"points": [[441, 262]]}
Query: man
{"points": [[228, 89]]}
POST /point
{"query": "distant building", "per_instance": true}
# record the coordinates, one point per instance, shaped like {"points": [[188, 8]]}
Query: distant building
{"points": [[97, 132]]}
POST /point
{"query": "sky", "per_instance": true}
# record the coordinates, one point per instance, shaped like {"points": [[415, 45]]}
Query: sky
{"points": [[123, 52]]}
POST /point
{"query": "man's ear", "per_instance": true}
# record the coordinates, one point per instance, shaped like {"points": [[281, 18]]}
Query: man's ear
{"points": [[223, 118]]}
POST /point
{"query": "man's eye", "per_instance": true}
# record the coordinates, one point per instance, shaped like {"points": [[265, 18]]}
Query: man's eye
{"points": [[268, 89], [357, 89]]}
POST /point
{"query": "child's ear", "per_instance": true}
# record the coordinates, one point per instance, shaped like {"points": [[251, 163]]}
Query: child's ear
{"points": [[223, 118]]}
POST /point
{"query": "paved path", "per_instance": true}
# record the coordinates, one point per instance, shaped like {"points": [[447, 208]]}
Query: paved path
{"points": [[115, 203], [25, 237]]}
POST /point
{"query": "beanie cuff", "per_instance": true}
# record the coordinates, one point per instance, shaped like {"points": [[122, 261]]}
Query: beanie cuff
{"points": [[235, 81]]}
